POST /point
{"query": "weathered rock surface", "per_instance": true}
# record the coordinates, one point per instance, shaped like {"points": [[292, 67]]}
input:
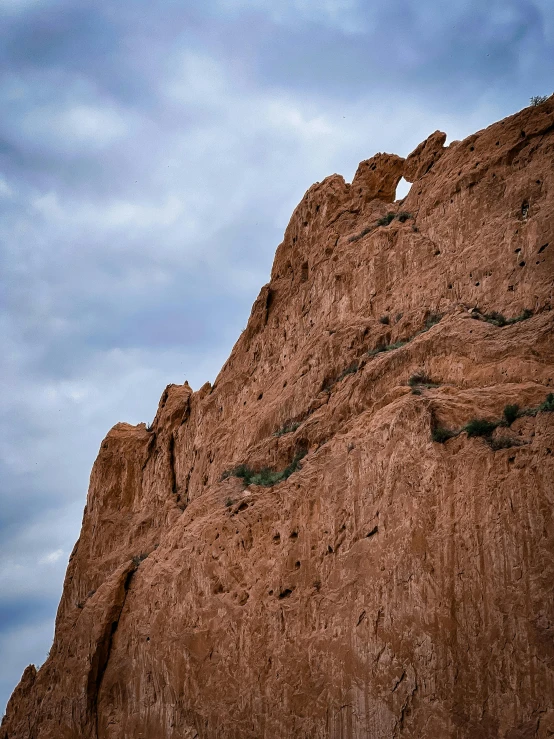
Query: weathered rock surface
{"points": [[392, 586]]}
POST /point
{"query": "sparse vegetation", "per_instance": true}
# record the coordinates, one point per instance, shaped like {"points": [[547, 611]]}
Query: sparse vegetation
{"points": [[138, 558], [497, 319], [440, 434], [288, 428], [431, 320], [404, 216], [266, 476], [548, 405], [385, 220], [385, 320], [387, 348], [538, 100], [510, 414], [483, 427], [503, 442], [479, 427], [229, 502], [359, 236], [350, 370], [421, 380]]}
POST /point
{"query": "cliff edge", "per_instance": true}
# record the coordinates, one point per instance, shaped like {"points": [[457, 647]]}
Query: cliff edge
{"points": [[350, 534]]}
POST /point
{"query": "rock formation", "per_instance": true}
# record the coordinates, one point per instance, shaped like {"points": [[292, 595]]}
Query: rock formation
{"points": [[398, 579]]}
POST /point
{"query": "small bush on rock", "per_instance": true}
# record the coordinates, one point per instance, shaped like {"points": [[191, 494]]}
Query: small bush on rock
{"points": [[266, 476], [420, 378], [404, 216], [385, 220], [288, 428], [441, 434], [510, 413], [479, 427], [548, 405]]}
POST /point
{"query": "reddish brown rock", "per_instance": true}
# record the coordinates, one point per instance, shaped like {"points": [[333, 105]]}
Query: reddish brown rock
{"points": [[420, 161], [377, 178], [392, 585]]}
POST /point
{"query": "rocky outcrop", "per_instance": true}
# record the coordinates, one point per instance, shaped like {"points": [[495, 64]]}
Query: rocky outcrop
{"points": [[393, 573]]}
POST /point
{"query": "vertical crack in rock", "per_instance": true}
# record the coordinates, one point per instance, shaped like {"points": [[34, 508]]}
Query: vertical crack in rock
{"points": [[182, 504], [101, 656]]}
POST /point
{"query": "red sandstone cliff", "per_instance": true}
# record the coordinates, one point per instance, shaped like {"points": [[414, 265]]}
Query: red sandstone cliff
{"points": [[392, 585]]}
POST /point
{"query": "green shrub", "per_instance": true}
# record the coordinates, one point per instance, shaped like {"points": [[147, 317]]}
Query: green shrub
{"points": [[497, 319], [385, 220], [377, 350], [266, 476], [396, 345], [479, 427], [287, 429], [548, 405], [441, 434], [420, 378], [403, 216], [510, 413], [359, 236], [538, 100], [432, 320], [387, 348], [522, 316], [350, 370]]}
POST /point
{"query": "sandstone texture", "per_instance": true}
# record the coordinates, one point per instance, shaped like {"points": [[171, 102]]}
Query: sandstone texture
{"points": [[392, 585]]}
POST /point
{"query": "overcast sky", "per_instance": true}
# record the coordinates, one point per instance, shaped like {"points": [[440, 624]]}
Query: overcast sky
{"points": [[151, 154]]}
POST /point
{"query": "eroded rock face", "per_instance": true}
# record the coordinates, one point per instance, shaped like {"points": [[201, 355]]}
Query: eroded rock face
{"points": [[424, 156], [392, 585]]}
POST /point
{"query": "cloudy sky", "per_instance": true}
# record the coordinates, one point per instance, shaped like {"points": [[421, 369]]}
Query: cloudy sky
{"points": [[151, 154]]}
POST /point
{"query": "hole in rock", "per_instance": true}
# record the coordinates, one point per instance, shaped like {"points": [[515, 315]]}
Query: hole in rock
{"points": [[543, 247], [402, 189], [285, 593]]}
